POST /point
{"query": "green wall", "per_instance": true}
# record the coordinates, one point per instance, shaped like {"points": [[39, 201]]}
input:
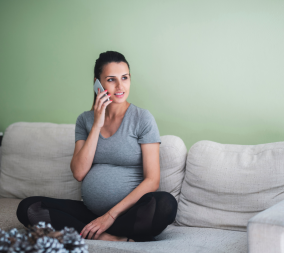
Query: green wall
{"points": [[206, 70]]}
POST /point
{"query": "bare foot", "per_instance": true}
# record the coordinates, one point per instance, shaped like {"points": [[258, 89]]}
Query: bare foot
{"points": [[108, 237]]}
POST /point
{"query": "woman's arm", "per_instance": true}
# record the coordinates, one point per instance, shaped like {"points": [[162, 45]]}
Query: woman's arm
{"points": [[84, 154], [151, 182]]}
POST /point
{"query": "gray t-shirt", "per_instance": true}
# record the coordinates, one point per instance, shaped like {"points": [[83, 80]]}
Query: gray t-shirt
{"points": [[117, 167]]}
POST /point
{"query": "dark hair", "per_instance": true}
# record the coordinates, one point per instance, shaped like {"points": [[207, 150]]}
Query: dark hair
{"points": [[105, 58]]}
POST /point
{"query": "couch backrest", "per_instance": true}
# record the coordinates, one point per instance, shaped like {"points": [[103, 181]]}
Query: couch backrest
{"points": [[173, 154], [226, 184], [36, 162]]}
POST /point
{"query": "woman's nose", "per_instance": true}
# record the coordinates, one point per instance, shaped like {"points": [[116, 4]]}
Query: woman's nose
{"points": [[119, 84]]}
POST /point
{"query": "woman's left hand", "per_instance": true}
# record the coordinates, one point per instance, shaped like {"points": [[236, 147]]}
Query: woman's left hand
{"points": [[97, 226]]}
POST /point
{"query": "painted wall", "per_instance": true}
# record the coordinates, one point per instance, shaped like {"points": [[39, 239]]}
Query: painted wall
{"points": [[206, 70]]}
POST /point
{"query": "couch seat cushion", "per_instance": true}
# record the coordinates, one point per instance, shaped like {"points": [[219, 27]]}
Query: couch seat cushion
{"points": [[178, 239], [8, 216], [173, 239]]}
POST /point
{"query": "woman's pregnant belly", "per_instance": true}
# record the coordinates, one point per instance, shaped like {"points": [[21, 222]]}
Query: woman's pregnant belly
{"points": [[106, 185]]}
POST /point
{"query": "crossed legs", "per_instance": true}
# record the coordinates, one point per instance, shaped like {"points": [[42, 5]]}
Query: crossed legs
{"points": [[147, 218]]}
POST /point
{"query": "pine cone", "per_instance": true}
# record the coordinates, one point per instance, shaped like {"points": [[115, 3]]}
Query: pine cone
{"points": [[18, 242], [37, 231], [42, 224], [57, 235], [42, 238], [4, 241], [49, 245], [21, 247], [13, 232], [73, 241]]}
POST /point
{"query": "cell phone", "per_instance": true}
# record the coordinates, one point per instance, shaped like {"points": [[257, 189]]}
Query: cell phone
{"points": [[97, 85]]}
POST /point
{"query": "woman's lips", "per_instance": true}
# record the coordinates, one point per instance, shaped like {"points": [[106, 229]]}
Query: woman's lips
{"points": [[119, 96]]}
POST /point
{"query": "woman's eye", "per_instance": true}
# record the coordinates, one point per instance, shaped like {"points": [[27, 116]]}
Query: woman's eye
{"points": [[109, 80]]}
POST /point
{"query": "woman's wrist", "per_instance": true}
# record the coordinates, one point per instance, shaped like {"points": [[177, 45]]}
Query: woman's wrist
{"points": [[111, 215], [96, 127]]}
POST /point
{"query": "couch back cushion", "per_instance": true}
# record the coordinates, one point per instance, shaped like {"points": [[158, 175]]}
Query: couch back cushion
{"points": [[173, 154], [36, 161], [227, 184]]}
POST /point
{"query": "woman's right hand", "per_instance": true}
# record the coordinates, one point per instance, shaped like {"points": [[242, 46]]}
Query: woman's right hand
{"points": [[100, 109]]}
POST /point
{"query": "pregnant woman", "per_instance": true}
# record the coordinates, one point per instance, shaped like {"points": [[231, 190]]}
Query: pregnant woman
{"points": [[116, 158]]}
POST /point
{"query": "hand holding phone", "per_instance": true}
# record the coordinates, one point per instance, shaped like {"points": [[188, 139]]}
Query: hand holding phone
{"points": [[98, 85], [100, 104]]}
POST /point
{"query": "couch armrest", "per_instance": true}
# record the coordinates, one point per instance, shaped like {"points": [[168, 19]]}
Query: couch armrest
{"points": [[265, 230]]}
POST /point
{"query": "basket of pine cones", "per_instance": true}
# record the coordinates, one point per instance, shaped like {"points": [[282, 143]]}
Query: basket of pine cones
{"points": [[42, 238]]}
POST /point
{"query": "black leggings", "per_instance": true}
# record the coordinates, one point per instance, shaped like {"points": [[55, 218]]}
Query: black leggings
{"points": [[147, 218]]}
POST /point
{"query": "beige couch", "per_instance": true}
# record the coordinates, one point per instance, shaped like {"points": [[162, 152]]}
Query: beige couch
{"points": [[230, 197]]}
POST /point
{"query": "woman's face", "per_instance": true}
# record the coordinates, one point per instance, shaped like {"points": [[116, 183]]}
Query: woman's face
{"points": [[115, 78]]}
